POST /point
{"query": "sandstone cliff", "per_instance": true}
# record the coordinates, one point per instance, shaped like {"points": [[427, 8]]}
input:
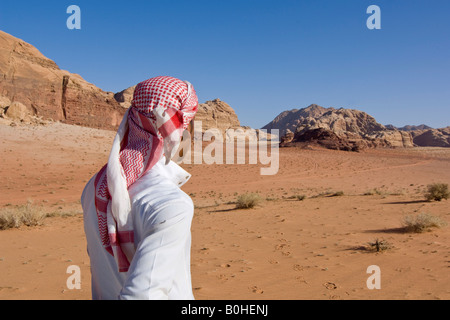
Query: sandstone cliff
{"points": [[425, 136], [290, 120], [217, 114], [28, 77]]}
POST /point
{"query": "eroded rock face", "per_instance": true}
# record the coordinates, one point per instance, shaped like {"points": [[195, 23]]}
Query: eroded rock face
{"points": [[329, 139], [425, 136], [28, 77], [291, 119], [216, 114], [353, 127], [432, 137], [125, 97], [325, 138]]}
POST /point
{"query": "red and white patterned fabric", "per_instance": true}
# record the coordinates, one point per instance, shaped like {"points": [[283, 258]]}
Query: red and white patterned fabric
{"points": [[152, 127]]}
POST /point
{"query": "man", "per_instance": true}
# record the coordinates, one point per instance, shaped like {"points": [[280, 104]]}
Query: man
{"points": [[137, 219]]}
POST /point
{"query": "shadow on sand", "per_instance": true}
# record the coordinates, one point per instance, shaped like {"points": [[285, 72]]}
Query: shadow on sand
{"points": [[407, 202], [389, 230]]}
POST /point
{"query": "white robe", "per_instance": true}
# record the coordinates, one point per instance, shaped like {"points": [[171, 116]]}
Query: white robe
{"points": [[162, 216]]}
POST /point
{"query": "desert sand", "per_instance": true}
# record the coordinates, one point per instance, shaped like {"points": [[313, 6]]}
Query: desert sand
{"points": [[282, 249]]}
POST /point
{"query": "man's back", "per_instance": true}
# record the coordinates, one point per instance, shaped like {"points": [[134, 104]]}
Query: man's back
{"points": [[162, 215]]}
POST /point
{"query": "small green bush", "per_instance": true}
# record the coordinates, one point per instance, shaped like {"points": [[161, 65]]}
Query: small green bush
{"points": [[437, 192]]}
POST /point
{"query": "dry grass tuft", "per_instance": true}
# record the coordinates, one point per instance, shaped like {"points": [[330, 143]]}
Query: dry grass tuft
{"points": [[422, 222], [27, 214], [248, 200]]}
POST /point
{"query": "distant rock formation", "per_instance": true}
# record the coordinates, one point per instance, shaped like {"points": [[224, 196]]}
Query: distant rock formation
{"points": [[125, 97], [432, 137], [220, 120], [426, 136], [290, 120], [322, 137], [217, 114], [414, 128], [352, 129], [30, 78]]}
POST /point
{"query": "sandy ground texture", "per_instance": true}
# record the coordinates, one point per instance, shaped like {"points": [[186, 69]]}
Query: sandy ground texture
{"points": [[284, 248]]}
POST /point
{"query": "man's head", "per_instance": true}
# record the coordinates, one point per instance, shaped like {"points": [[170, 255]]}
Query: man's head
{"points": [[165, 106]]}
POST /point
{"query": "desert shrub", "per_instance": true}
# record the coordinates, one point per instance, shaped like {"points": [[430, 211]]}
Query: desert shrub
{"points": [[9, 219], [27, 214], [422, 222], [248, 200], [379, 245], [437, 192], [373, 192]]}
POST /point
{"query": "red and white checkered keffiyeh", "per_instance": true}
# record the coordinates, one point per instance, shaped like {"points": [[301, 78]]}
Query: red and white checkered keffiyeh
{"points": [[152, 127]]}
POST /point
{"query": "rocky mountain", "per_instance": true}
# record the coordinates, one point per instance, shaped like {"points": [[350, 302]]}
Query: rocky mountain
{"points": [[290, 120], [125, 97], [408, 127], [414, 128], [30, 78], [353, 128], [432, 137], [216, 114]]}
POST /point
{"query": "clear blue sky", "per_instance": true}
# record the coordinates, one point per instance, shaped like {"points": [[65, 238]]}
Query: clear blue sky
{"points": [[260, 56]]}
